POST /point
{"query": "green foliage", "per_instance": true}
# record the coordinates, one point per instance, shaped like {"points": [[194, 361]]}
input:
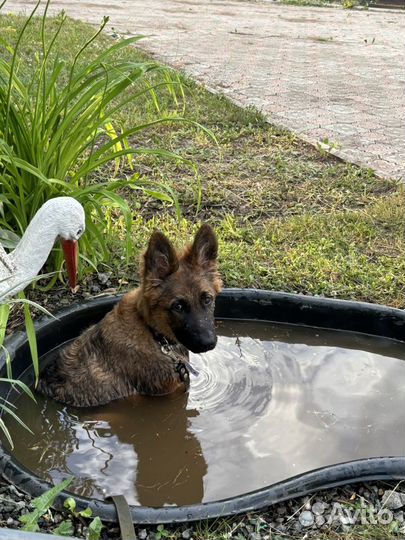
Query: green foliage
{"points": [[161, 532], [4, 315], [70, 505], [8, 408], [5, 305], [41, 506], [95, 528], [325, 146], [349, 4], [345, 4], [5, 308], [32, 338], [65, 528], [57, 131]]}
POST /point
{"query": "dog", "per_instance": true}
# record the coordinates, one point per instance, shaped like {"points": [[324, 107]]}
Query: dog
{"points": [[142, 345]]}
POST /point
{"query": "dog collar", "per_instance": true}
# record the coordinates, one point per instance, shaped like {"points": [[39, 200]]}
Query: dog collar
{"points": [[168, 348]]}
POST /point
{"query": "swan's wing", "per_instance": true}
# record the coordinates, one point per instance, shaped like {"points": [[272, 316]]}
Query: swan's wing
{"points": [[7, 265]]}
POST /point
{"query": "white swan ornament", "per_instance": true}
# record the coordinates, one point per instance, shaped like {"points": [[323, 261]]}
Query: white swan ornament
{"points": [[63, 218]]}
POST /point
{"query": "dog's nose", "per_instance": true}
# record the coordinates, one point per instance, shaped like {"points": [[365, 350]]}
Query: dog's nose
{"points": [[208, 340]]}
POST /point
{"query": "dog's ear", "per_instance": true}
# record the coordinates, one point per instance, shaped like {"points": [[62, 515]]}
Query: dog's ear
{"points": [[160, 258], [204, 251]]}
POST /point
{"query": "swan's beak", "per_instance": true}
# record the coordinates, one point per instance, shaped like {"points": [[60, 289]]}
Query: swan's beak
{"points": [[70, 251]]}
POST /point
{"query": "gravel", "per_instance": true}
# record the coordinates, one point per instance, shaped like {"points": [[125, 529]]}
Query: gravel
{"points": [[309, 517], [320, 521], [393, 500], [399, 516], [306, 518], [318, 508]]}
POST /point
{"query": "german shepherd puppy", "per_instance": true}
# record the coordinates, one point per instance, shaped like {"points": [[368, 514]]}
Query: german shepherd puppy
{"points": [[142, 345]]}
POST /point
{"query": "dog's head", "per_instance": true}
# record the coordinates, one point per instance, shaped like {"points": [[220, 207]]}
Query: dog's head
{"points": [[179, 289]]}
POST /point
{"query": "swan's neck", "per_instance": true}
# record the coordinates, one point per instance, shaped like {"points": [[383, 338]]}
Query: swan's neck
{"points": [[33, 250]]}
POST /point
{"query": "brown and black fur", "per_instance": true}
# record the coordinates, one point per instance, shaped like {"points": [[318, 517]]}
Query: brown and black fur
{"points": [[121, 354]]}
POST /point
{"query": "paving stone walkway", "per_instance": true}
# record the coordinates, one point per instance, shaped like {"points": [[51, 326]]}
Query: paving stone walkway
{"points": [[330, 75]]}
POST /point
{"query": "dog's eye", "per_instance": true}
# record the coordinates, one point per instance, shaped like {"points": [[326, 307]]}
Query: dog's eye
{"points": [[206, 299], [178, 306]]}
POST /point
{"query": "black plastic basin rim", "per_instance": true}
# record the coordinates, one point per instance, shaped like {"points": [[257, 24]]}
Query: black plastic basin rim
{"points": [[231, 304]]}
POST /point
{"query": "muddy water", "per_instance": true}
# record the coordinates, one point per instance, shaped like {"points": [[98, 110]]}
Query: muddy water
{"points": [[270, 402]]}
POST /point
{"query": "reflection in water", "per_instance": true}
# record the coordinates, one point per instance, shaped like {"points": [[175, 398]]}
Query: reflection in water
{"points": [[170, 464], [270, 402], [159, 461]]}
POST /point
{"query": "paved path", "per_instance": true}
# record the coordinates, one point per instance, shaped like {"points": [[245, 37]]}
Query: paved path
{"points": [[327, 74]]}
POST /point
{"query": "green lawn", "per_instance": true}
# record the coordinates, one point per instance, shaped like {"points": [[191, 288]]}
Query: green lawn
{"points": [[288, 217]]}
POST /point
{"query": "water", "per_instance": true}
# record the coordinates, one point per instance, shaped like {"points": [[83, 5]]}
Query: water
{"points": [[270, 402]]}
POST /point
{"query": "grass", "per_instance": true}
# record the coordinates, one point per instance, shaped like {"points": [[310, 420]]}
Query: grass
{"points": [[311, 3], [288, 216], [345, 4]]}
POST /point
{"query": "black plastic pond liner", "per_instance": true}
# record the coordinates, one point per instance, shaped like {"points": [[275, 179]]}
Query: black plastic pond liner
{"points": [[232, 304]]}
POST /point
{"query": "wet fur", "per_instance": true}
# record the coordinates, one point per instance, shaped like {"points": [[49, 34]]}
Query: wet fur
{"points": [[120, 355]]}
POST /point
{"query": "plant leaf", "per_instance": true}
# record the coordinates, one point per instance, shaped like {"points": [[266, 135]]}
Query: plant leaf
{"points": [[46, 500], [6, 432], [95, 527], [8, 239], [21, 385], [15, 416], [86, 513], [4, 314], [65, 528], [32, 338], [70, 504]]}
